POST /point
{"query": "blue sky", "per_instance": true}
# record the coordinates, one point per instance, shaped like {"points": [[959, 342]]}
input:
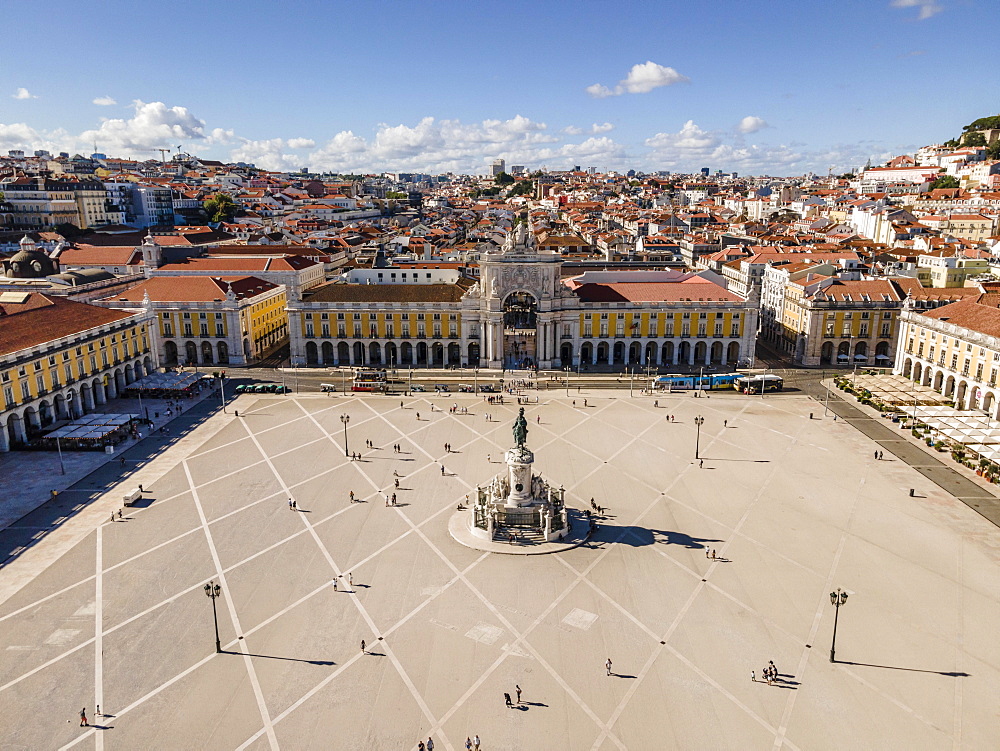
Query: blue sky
{"points": [[778, 87]]}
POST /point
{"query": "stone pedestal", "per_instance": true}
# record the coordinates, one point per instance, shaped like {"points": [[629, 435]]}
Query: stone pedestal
{"points": [[519, 461]]}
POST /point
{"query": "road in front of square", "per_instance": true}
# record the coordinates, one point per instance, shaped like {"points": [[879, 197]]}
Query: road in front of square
{"points": [[793, 508]]}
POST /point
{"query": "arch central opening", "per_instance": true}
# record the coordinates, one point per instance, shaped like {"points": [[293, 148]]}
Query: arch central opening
{"points": [[520, 318]]}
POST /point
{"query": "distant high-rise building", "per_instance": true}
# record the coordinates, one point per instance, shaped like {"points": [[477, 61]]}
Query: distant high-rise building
{"points": [[735, 175], [576, 167], [705, 171], [497, 167], [630, 173], [517, 169]]}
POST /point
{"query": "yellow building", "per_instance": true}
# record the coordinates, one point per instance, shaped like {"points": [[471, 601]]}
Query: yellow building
{"points": [[951, 271], [955, 349], [204, 320], [61, 359], [604, 319], [827, 321]]}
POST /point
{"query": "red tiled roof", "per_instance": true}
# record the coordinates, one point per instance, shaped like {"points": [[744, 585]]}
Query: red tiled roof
{"points": [[40, 319], [979, 314], [691, 289], [106, 255], [194, 289]]}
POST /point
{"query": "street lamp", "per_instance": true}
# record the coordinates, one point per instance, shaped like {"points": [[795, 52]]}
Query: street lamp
{"points": [[698, 422], [213, 590], [838, 598], [345, 419]]}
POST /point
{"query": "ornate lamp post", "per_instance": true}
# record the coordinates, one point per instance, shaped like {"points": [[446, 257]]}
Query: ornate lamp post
{"points": [[345, 419], [838, 598], [698, 422], [213, 590]]}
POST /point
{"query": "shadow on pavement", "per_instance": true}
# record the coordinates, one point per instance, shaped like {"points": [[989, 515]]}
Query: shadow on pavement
{"points": [[34, 526]]}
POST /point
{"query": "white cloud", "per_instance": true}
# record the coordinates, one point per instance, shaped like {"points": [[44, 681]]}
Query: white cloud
{"points": [[599, 91], [23, 93], [601, 128], [572, 130], [643, 78], [926, 8], [104, 101], [154, 125], [751, 124], [301, 143], [267, 154], [446, 145]]}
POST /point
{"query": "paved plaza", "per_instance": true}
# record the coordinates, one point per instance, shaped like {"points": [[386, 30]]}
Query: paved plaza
{"points": [[793, 507]]}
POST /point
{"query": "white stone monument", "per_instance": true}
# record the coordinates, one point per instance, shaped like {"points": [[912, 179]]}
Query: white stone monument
{"points": [[518, 500]]}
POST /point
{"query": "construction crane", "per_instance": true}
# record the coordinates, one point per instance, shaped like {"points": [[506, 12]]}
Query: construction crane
{"points": [[163, 153]]}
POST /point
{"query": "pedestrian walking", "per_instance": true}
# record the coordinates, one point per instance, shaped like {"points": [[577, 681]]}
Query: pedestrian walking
{"points": [[468, 743], [608, 666], [701, 464], [352, 498], [295, 505], [418, 415], [362, 646], [394, 499], [442, 470], [517, 689], [430, 744], [397, 483], [774, 670], [97, 712], [420, 746], [119, 513], [335, 584], [725, 423], [475, 743], [488, 459], [83, 718], [753, 676], [876, 456], [112, 517], [350, 579], [506, 698]]}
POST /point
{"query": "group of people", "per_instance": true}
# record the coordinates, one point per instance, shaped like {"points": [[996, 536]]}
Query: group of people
{"points": [[769, 674], [506, 696], [498, 399], [595, 507], [456, 410]]}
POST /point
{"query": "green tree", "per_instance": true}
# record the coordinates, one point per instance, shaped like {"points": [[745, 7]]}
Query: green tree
{"points": [[945, 181], [536, 173], [68, 230], [395, 194], [984, 123], [975, 138], [951, 143], [503, 179], [220, 208], [993, 150], [523, 188]]}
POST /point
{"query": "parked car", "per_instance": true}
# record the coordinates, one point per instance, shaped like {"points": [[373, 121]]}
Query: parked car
{"points": [[417, 387], [443, 387], [488, 388], [466, 388]]}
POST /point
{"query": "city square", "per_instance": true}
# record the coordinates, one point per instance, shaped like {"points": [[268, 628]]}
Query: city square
{"points": [[700, 571]]}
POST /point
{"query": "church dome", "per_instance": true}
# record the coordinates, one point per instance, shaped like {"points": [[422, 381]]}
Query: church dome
{"points": [[29, 262]]}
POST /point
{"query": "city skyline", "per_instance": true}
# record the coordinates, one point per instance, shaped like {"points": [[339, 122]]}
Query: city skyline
{"points": [[667, 88]]}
